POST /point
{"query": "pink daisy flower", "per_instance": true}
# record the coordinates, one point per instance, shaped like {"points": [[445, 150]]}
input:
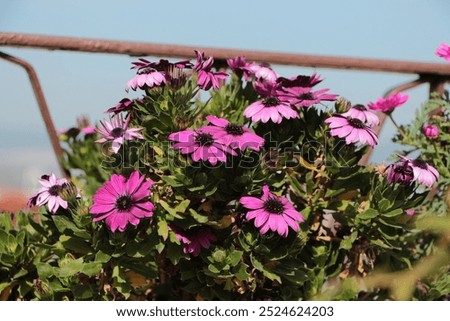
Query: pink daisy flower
{"points": [[117, 131], [362, 113], [235, 136], [201, 145], [194, 239], [270, 107], [431, 131], [146, 79], [272, 212], [424, 173], [49, 193], [300, 81], [388, 104], [121, 202], [240, 66], [443, 51], [408, 170], [123, 105], [262, 72], [400, 172], [205, 77], [154, 74], [304, 96], [352, 129]]}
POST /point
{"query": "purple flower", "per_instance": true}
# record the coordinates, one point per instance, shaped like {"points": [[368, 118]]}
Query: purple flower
{"points": [[117, 131], [431, 131], [270, 107], [407, 171], [272, 212], [262, 72], [148, 78], [388, 104], [89, 130], [424, 173], [400, 172], [353, 129], [362, 113], [194, 239], [410, 212], [153, 74], [300, 81], [49, 193], [124, 105], [201, 145], [240, 66], [121, 202], [235, 136], [304, 96], [205, 77], [443, 51]]}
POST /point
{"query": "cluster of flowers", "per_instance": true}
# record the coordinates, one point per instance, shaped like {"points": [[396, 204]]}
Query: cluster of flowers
{"points": [[122, 201]]}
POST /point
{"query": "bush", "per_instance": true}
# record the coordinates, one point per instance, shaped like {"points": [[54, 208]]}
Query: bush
{"points": [[232, 187]]}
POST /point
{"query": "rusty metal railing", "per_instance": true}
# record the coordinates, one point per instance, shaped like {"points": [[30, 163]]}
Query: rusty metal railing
{"points": [[435, 74]]}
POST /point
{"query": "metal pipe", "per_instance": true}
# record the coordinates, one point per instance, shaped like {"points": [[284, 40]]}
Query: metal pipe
{"points": [[165, 50], [43, 107]]}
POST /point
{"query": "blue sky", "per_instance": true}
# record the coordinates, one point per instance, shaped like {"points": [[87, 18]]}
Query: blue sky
{"points": [[78, 83]]}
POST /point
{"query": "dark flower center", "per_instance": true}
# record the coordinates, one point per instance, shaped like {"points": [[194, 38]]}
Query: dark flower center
{"points": [[124, 203], [356, 123], [360, 107], [404, 169], [274, 206], [234, 129], [306, 96], [117, 132], [204, 139], [271, 101], [420, 163], [54, 190]]}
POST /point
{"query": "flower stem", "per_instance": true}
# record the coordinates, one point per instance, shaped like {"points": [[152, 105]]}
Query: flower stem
{"points": [[397, 126]]}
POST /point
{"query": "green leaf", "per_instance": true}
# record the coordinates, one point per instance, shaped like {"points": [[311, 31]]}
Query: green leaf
{"points": [[198, 217], [393, 213], [181, 208], [63, 223], [241, 272], [91, 268], [163, 229], [235, 257], [76, 244], [70, 267], [172, 181], [102, 257], [272, 276], [368, 214], [347, 242], [45, 270], [169, 209]]}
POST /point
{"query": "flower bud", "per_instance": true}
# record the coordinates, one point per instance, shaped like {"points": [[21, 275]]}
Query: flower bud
{"points": [[431, 131]]}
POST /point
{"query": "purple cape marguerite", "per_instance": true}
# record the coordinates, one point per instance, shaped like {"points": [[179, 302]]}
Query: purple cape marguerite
{"points": [[201, 145], [122, 201], [117, 131], [270, 107], [235, 136], [352, 129], [272, 212]]}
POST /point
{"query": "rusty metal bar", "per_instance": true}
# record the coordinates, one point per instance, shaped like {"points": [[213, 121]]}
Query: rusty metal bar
{"points": [[43, 107], [165, 50]]}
